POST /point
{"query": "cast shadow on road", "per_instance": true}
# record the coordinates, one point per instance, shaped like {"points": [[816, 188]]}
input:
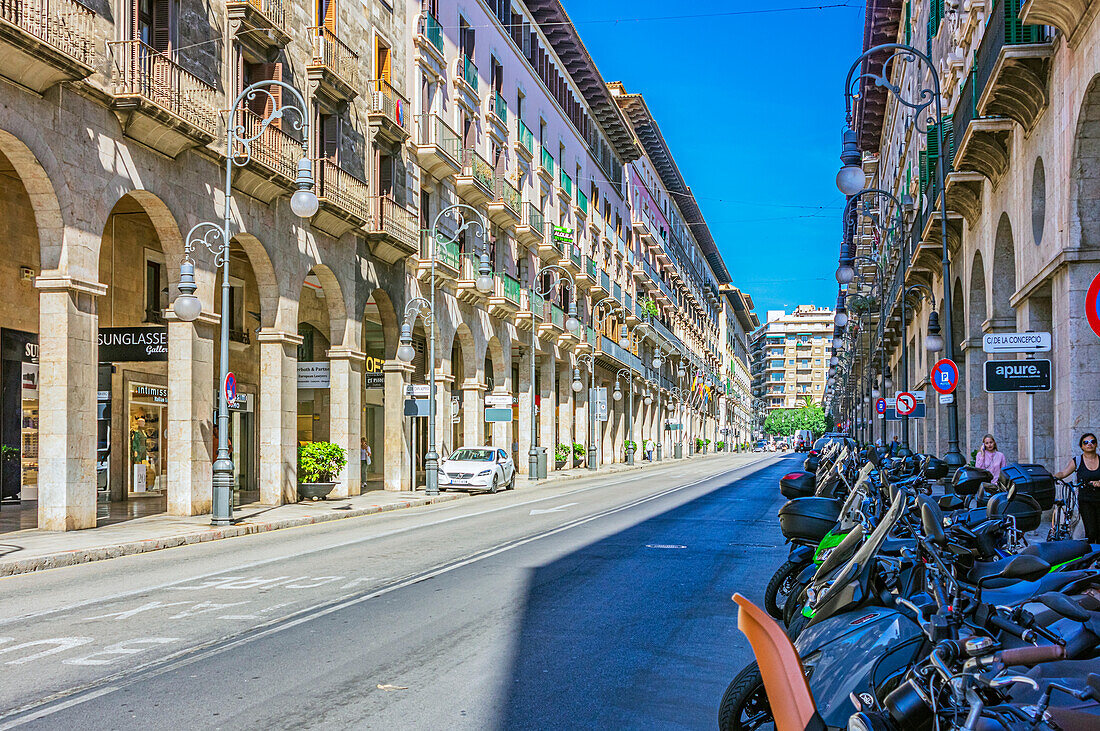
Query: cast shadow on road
{"points": [[638, 630]]}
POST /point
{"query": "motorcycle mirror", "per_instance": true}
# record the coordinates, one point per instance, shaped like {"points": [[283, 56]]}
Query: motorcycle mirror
{"points": [[1011, 492], [1026, 568], [1065, 606]]}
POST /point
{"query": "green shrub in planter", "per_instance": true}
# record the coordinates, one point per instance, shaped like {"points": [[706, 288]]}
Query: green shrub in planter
{"points": [[561, 452], [578, 450], [699, 444], [720, 446], [630, 445], [319, 466]]}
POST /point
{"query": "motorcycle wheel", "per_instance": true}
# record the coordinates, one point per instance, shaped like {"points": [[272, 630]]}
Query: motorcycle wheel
{"points": [[793, 607], [780, 588], [794, 629], [744, 705]]}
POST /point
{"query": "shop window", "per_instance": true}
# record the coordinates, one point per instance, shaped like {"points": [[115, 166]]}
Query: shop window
{"points": [[237, 330]]}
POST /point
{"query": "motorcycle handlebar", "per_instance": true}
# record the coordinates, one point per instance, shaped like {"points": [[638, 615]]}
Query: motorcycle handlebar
{"points": [[1007, 625], [1030, 655]]}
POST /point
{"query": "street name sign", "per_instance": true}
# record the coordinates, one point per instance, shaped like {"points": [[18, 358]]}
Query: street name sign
{"points": [[498, 399], [1016, 376], [945, 376], [418, 389], [1033, 342], [416, 407], [498, 414]]}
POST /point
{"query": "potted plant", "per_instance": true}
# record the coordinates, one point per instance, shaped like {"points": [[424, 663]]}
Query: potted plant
{"points": [[579, 453], [561, 454], [319, 464], [699, 445], [629, 445], [720, 446]]}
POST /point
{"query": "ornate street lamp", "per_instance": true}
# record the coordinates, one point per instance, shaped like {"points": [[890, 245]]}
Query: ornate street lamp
{"points": [[216, 237]]}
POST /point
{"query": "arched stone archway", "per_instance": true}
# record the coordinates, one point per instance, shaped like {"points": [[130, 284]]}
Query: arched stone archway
{"points": [[978, 408], [379, 341], [1084, 178], [1004, 416], [963, 358]]}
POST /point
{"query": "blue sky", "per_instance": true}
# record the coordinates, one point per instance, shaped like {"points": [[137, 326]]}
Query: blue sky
{"points": [[752, 107]]}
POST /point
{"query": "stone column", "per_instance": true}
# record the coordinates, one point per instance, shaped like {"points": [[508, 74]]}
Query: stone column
{"points": [[501, 430], [525, 403], [278, 416], [192, 399], [67, 385], [444, 384], [1075, 359], [1003, 409], [1036, 314], [396, 440], [473, 411], [562, 411], [547, 390], [976, 416], [574, 410], [345, 414]]}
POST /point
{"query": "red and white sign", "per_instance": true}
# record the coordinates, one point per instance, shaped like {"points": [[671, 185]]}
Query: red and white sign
{"points": [[945, 376], [880, 406], [1092, 305], [906, 403], [230, 388]]}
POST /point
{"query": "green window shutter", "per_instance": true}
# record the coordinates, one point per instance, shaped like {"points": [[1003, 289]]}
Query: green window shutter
{"points": [[923, 171], [949, 139], [933, 145]]}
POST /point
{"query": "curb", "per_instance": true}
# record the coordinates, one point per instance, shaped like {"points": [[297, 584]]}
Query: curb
{"points": [[88, 555], [620, 467]]}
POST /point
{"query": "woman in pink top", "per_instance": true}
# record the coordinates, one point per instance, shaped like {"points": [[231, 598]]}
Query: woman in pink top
{"points": [[989, 458]]}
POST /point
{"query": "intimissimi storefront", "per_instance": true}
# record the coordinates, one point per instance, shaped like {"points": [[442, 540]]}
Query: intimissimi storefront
{"points": [[132, 411]]}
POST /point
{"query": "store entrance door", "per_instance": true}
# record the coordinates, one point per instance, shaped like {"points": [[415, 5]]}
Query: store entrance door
{"points": [[242, 446], [418, 443]]}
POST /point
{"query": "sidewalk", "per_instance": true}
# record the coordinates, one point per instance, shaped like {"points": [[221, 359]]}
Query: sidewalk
{"points": [[34, 550]]}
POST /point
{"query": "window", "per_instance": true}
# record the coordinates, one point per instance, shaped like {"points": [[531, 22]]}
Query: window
{"points": [[156, 291], [155, 23], [382, 68], [465, 38]]}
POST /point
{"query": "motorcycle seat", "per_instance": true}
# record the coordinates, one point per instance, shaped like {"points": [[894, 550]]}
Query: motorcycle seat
{"points": [[1019, 591], [982, 569], [1056, 552]]}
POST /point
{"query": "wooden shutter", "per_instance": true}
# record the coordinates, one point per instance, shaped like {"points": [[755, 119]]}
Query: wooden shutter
{"points": [[162, 25], [385, 175], [382, 61], [329, 15], [330, 136]]}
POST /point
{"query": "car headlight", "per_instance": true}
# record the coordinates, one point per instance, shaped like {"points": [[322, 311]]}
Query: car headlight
{"points": [[484, 472]]}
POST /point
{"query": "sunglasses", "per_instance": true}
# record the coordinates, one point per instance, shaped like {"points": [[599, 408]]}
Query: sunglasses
{"points": [[1088, 441]]}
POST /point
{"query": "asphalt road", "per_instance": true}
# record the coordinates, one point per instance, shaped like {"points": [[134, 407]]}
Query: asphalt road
{"points": [[600, 603]]}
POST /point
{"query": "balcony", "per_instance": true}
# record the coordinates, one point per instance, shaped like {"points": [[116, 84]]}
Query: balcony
{"points": [[345, 201], [532, 310], [429, 37], [438, 148], [447, 260], [586, 274], [565, 187], [506, 208], [158, 103], [601, 285], [475, 183], [555, 326], [388, 113], [532, 229], [259, 25], [571, 259], [1067, 16], [1012, 66], [333, 70], [505, 300], [466, 286], [498, 116], [45, 42], [466, 77], [272, 166], [545, 169], [580, 207], [392, 230], [525, 141]]}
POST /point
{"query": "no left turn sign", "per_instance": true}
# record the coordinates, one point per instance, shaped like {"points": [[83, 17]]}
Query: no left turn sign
{"points": [[906, 403]]}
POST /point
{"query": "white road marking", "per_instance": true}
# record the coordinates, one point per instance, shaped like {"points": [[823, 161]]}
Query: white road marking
{"points": [[552, 510], [60, 644], [119, 650]]}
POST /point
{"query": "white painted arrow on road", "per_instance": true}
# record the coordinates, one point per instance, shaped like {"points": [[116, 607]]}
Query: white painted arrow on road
{"points": [[553, 510]]}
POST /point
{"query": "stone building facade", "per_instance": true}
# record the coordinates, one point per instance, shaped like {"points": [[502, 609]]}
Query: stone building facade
{"points": [[112, 145], [1020, 95], [792, 355]]}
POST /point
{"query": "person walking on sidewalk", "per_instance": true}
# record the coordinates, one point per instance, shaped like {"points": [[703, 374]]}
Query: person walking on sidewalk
{"points": [[649, 449], [1087, 467]]}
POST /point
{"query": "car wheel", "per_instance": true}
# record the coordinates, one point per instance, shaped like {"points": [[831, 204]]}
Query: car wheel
{"points": [[512, 482], [493, 486]]}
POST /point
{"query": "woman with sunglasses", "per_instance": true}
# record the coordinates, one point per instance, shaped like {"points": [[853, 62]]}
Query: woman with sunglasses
{"points": [[1087, 467]]}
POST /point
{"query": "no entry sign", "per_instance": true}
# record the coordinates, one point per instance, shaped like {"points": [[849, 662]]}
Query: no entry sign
{"points": [[906, 402], [1092, 305], [230, 388], [945, 376]]}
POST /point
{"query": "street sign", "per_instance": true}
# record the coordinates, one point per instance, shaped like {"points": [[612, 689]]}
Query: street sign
{"points": [[456, 410], [880, 406], [416, 407], [599, 404], [945, 376], [906, 403], [1034, 342], [1005, 376], [418, 389], [498, 414], [1092, 305], [498, 399], [230, 388], [673, 426], [947, 398]]}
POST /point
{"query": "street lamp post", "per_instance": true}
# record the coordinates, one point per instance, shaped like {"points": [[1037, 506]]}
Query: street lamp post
{"points": [[590, 361], [932, 344], [571, 325], [216, 237], [852, 159], [425, 309]]}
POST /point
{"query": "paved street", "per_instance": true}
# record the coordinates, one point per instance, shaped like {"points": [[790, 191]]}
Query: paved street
{"points": [[588, 604]]}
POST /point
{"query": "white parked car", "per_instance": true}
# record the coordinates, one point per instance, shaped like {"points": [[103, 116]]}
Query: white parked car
{"points": [[478, 468]]}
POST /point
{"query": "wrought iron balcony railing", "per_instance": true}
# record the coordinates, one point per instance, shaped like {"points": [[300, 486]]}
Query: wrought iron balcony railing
{"points": [[525, 137], [446, 252], [153, 76], [335, 55], [272, 148], [432, 30], [507, 192], [338, 187], [393, 219], [390, 103], [434, 131], [64, 24]]}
